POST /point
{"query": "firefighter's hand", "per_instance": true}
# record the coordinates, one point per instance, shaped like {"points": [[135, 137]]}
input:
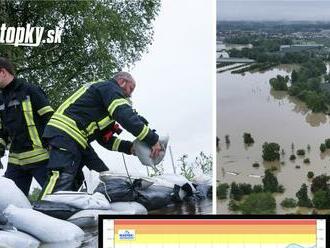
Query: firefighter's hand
{"points": [[155, 150]]}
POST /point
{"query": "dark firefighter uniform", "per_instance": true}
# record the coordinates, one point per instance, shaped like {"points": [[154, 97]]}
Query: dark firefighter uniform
{"points": [[24, 112], [89, 114]]}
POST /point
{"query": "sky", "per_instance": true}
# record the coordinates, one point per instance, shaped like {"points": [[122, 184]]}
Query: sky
{"points": [[174, 83], [289, 10]]}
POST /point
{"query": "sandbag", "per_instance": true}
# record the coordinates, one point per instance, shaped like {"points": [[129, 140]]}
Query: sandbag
{"points": [[11, 194], [57, 210], [87, 218], [45, 228], [155, 197], [80, 200], [143, 151], [204, 191], [118, 189], [180, 180], [17, 239]]}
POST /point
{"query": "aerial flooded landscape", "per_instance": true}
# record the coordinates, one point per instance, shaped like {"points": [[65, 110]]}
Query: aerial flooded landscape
{"points": [[273, 123]]}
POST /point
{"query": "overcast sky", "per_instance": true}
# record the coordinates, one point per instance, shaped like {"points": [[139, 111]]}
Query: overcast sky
{"points": [[256, 10]]}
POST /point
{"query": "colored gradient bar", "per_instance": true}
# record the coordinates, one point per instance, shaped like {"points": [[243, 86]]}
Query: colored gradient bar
{"points": [[202, 232]]}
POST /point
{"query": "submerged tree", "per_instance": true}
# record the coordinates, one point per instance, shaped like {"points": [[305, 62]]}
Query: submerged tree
{"points": [[270, 151]]}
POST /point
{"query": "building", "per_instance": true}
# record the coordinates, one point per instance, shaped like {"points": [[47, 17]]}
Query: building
{"points": [[300, 48]]}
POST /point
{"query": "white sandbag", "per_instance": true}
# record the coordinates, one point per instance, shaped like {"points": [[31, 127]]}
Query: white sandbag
{"points": [[80, 200], [174, 179], [11, 194], [91, 179], [202, 179], [86, 218], [143, 151], [45, 228], [13, 239], [131, 207]]}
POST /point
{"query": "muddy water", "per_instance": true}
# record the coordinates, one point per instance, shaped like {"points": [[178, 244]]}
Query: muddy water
{"points": [[246, 103]]}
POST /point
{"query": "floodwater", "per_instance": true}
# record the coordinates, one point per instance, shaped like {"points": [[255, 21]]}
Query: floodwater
{"points": [[246, 103]]}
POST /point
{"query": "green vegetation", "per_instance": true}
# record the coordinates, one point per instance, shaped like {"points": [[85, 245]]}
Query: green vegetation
{"points": [[34, 196], [292, 157], [248, 139], [321, 199], [270, 151], [279, 83], [289, 203], [303, 199], [258, 203], [301, 152], [320, 183], [323, 147], [307, 161], [88, 50], [327, 143], [256, 165], [310, 174], [270, 183], [222, 191]]}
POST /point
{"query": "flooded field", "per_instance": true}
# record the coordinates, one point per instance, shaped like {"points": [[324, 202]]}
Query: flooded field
{"points": [[246, 103]]}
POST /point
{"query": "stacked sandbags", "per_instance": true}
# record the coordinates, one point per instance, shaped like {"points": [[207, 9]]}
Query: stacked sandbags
{"points": [[87, 218], [45, 228], [14, 238]]}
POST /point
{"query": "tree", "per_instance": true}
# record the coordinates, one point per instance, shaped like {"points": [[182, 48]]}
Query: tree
{"points": [[301, 152], [289, 203], [270, 182], [294, 77], [320, 183], [303, 199], [235, 192], [259, 203], [327, 143], [98, 38], [270, 151], [222, 190], [248, 139], [323, 147], [279, 83], [321, 199], [310, 174]]}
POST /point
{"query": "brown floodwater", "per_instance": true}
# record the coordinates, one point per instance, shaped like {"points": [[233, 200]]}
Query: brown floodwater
{"points": [[246, 103]]}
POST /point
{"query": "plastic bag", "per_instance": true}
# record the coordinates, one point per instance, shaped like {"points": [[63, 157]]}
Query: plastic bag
{"points": [[79, 200], [118, 189], [58, 210], [19, 239], [45, 228], [143, 151], [155, 197], [11, 194]]}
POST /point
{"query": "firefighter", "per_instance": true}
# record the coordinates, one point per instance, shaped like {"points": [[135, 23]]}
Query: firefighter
{"points": [[91, 114], [24, 112]]}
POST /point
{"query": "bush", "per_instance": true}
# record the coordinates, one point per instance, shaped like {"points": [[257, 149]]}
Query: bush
{"points": [[256, 165], [310, 174], [321, 199], [259, 203], [233, 206], [320, 183], [222, 191], [270, 151], [301, 152], [303, 199], [34, 196], [235, 192], [292, 157], [245, 188], [307, 161], [248, 138], [257, 189], [323, 147], [270, 182], [289, 203], [327, 143]]}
